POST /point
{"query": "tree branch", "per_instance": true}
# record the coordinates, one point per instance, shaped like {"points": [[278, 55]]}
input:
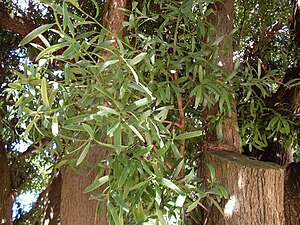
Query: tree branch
{"points": [[17, 24]]}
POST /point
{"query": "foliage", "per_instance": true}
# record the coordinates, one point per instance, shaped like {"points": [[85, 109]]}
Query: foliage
{"points": [[81, 92], [123, 100]]}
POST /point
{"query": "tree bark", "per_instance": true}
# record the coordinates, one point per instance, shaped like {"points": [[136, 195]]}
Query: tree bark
{"points": [[76, 207], [17, 24], [292, 194], [256, 190], [6, 192], [222, 19]]}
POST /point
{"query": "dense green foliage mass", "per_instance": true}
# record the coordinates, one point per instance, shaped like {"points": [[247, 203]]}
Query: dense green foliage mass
{"points": [[81, 89]]}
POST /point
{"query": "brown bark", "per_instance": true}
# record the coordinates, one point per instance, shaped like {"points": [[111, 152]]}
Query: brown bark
{"points": [[6, 192], [113, 16], [292, 194], [222, 19], [76, 207], [17, 24], [256, 190]]}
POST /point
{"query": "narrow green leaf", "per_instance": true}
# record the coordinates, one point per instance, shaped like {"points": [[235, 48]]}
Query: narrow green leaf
{"points": [[193, 205], [169, 184], [89, 130], [180, 200], [137, 133], [137, 59], [161, 217], [96, 184], [83, 154], [16, 86], [44, 92], [212, 172], [189, 135], [74, 127], [106, 110], [123, 177], [137, 186], [51, 49], [113, 213], [33, 34], [121, 203]]}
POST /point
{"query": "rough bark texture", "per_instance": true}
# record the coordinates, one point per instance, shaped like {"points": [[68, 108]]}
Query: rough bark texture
{"points": [[76, 207], [222, 19], [113, 16], [256, 189], [292, 194], [6, 193]]}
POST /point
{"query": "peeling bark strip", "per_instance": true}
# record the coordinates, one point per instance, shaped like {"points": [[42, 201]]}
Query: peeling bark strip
{"points": [[6, 192], [256, 190]]}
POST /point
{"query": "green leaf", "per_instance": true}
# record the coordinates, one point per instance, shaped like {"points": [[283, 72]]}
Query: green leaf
{"points": [[74, 127], [96, 184], [189, 135], [89, 130], [137, 59], [106, 110], [137, 186], [44, 92], [193, 205], [16, 86], [33, 34], [212, 172], [83, 154], [114, 214], [161, 217], [51, 49], [137, 133], [180, 200], [121, 203], [123, 177], [169, 184]]}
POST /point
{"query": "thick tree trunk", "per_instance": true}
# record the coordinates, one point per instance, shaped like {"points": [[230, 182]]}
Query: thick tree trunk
{"points": [[6, 192], [256, 190], [292, 194], [76, 207], [222, 19]]}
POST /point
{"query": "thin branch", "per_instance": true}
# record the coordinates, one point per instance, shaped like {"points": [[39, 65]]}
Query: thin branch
{"points": [[21, 156], [174, 124], [178, 96]]}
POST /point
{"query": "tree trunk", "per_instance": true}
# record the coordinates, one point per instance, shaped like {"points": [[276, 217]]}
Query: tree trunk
{"points": [[222, 19], [6, 192], [76, 207], [292, 194], [256, 190]]}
